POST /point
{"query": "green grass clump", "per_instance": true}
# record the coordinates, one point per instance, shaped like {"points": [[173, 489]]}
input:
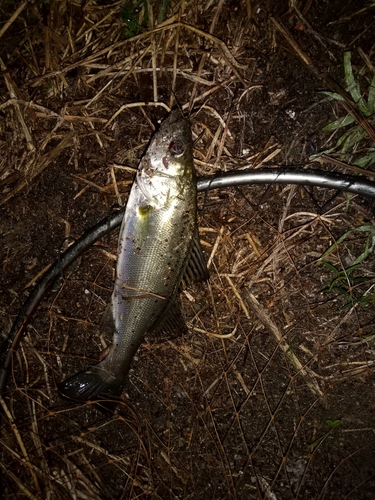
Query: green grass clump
{"points": [[352, 143], [349, 281]]}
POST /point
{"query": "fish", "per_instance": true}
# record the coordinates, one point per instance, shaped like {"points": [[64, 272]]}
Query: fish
{"points": [[158, 253]]}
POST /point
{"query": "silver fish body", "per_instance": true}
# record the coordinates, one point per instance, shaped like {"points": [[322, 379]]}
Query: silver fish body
{"points": [[157, 238]]}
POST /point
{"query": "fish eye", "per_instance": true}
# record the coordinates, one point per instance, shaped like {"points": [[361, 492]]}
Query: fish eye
{"points": [[177, 148]]}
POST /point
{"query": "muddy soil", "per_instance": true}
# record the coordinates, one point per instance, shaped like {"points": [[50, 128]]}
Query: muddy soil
{"points": [[271, 392]]}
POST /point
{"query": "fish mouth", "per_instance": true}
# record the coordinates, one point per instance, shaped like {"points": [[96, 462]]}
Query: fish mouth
{"points": [[163, 167], [175, 116], [174, 132]]}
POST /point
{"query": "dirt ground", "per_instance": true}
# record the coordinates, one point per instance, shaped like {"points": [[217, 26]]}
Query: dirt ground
{"points": [[271, 393]]}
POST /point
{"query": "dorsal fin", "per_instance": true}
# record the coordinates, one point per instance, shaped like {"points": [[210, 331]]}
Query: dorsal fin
{"points": [[196, 268]]}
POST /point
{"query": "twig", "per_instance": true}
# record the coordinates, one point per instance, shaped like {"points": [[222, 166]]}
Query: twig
{"points": [[208, 92], [13, 426], [222, 335], [117, 192], [13, 94], [367, 60], [272, 328], [237, 294], [216, 244], [43, 163], [16, 13], [20, 485], [88, 182], [345, 166], [218, 116], [319, 37], [135, 105], [165, 26], [72, 118], [128, 73]]}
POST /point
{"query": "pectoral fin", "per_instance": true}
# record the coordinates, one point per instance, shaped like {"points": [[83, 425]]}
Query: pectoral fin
{"points": [[107, 323]]}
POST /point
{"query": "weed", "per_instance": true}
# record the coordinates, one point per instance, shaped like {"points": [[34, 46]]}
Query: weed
{"points": [[347, 282], [353, 140], [332, 424], [135, 15]]}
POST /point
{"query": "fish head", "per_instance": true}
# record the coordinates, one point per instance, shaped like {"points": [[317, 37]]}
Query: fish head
{"points": [[167, 168]]}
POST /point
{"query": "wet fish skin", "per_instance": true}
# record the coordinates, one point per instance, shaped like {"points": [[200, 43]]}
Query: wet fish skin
{"points": [[155, 243]]}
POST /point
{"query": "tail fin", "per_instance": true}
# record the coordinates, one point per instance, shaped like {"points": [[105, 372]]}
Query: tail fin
{"points": [[96, 382]]}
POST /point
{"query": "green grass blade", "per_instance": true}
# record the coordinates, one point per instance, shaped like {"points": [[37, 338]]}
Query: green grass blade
{"points": [[332, 95], [341, 122], [353, 86], [368, 249], [371, 95], [344, 136], [367, 160], [366, 228], [352, 139], [331, 267]]}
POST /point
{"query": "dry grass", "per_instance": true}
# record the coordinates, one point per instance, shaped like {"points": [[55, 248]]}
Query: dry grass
{"points": [[245, 406]]}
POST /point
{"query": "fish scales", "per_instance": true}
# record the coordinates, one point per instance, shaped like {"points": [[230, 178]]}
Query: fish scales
{"points": [[155, 243], [152, 258]]}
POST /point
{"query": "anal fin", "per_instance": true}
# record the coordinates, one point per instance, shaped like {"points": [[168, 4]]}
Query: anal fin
{"points": [[172, 323]]}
